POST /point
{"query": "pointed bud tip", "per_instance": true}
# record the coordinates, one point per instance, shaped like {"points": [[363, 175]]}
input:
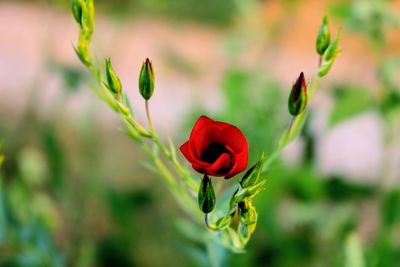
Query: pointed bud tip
{"points": [[206, 195], [298, 96], [113, 81], [323, 37], [146, 79]]}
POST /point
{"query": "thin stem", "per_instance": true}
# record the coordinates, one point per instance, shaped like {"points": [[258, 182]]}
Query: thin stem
{"points": [[148, 117], [178, 168], [289, 130], [209, 227]]}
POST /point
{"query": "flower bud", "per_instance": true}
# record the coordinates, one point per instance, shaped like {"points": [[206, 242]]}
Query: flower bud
{"points": [[298, 96], [206, 196], [251, 176], [323, 38], [76, 6], [325, 68], [113, 82], [90, 8], [82, 51], [146, 80], [333, 49]]}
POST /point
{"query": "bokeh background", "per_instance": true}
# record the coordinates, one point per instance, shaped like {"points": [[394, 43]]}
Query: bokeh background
{"points": [[75, 191]]}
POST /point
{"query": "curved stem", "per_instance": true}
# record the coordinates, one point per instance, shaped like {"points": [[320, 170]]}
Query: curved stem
{"points": [[209, 226], [177, 166]]}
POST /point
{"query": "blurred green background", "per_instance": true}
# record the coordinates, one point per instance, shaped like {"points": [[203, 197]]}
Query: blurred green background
{"points": [[74, 191]]}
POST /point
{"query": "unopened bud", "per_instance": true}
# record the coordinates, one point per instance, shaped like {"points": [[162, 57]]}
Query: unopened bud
{"points": [[251, 176], [333, 49], [90, 8], [113, 82], [206, 196], [76, 6], [323, 38], [146, 80], [82, 51], [298, 96]]}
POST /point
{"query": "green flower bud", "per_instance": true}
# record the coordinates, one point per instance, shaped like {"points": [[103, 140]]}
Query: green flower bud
{"points": [[325, 68], [76, 6], [206, 196], [251, 176], [90, 8], [298, 96], [323, 38], [82, 51], [146, 80], [113, 82], [333, 49], [87, 19]]}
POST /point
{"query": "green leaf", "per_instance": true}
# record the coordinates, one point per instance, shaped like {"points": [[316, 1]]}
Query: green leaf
{"points": [[350, 103]]}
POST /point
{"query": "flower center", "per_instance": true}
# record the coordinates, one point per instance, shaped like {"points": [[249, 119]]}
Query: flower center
{"points": [[212, 153]]}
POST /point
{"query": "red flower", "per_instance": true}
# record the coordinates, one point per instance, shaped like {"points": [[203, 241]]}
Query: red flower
{"points": [[216, 148]]}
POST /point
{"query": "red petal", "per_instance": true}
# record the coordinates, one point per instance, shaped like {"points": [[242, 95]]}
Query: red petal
{"points": [[185, 149], [222, 163], [200, 123], [232, 138], [204, 137], [239, 164]]}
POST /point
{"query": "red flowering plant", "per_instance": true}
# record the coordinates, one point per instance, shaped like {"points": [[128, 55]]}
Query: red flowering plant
{"points": [[214, 149]]}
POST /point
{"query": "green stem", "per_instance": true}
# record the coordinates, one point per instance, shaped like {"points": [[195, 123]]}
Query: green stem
{"points": [[210, 226], [188, 179], [206, 219], [149, 118], [288, 131]]}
